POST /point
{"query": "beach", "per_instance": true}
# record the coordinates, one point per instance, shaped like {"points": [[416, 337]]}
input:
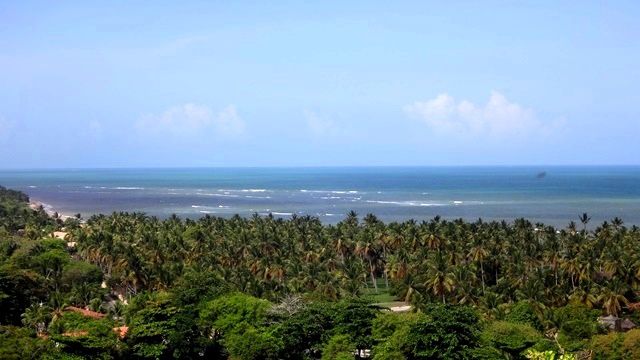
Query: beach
{"points": [[50, 210]]}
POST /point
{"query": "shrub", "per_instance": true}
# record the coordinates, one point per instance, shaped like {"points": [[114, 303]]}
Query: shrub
{"points": [[631, 344], [511, 338], [80, 272], [83, 336], [523, 313], [252, 344], [576, 325], [450, 332], [607, 347], [21, 343], [339, 347], [234, 312]]}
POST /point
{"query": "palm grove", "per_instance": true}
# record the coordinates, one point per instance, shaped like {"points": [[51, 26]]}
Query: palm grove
{"points": [[268, 288]]}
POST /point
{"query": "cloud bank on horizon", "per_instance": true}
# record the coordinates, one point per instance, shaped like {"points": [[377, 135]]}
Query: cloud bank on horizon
{"points": [[189, 119], [498, 118], [407, 83]]}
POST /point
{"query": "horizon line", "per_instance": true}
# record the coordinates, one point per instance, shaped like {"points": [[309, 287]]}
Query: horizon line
{"points": [[310, 167]]}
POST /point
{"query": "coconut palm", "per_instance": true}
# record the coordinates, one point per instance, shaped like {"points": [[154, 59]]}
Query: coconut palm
{"points": [[37, 316]]}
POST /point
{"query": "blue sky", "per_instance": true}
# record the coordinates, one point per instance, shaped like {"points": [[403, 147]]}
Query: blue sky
{"points": [[128, 84]]}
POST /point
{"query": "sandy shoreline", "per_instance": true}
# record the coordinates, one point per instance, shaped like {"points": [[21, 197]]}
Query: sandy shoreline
{"points": [[34, 205]]}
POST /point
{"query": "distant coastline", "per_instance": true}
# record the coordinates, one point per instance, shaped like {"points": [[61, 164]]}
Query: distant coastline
{"points": [[392, 194], [50, 210]]}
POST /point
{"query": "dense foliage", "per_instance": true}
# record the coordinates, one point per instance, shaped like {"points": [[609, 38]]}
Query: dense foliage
{"points": [[480, 263], [15, 215], [268, 288]]}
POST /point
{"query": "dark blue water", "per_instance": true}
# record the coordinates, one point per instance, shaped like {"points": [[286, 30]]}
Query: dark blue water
{"points": [[389, 192]]}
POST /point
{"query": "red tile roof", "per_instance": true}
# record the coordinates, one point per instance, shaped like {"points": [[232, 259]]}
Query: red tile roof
{"points": [[86, 312]]}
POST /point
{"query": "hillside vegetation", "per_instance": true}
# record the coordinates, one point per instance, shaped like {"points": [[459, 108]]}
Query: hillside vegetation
{"points": [[268, 288]]}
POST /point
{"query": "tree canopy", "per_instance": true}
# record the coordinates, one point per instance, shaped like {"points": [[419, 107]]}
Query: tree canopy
{"points": [[127, 285]]}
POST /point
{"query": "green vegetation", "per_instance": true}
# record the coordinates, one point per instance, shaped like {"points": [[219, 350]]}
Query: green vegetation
{"points": [[267, 288], [16, 216]]}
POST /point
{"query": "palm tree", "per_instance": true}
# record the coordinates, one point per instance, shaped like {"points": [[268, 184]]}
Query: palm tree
{"points": [[439, 280], [37, 316], [368, 253], [584, 296], [477, 254], [483, 263], [584, 219], [612, 297]]}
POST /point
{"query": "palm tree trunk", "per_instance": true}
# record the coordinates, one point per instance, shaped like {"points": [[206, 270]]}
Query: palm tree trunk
{"points": [[386, 277], [482, 276], [373, 277], [386, 280]]}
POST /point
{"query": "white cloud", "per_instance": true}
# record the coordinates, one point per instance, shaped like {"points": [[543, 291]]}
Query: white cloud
{"points": [[498, 118], [191, 119], [229, 122]]}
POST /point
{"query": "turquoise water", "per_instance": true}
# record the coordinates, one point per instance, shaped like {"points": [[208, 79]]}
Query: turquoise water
{"points": [[553, 195]]}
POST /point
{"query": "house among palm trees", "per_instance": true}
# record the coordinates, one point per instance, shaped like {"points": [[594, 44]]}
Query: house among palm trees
{"points": [[614, 323], [121, 331], [628, 325]]}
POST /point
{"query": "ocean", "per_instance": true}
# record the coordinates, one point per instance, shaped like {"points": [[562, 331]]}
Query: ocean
{"points": [[553, 195]]}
